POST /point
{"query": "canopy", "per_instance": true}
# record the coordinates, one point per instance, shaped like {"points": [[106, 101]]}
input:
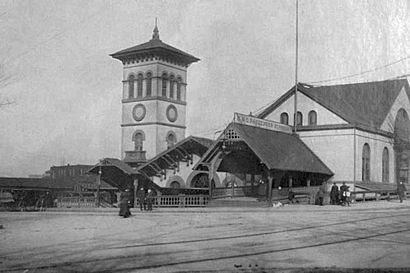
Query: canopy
{"points": [[274, 149]]}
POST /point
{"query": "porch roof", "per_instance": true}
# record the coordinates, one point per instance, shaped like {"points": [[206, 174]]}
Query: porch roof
{"points": [[276, 150]]}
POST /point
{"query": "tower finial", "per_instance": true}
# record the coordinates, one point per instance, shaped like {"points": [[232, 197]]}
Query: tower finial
{"points": [[155, 35]]}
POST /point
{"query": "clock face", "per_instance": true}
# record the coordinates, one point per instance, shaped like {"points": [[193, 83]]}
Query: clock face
{"points": [[172, 113], [138, 112]]}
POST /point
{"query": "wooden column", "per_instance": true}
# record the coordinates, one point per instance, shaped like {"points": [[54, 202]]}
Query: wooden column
{"points": [[270, 179], [213, 166], [97, 201], [135, 191]]}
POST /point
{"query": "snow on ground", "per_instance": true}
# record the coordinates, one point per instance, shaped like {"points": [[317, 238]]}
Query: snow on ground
{"points": [[365, 235]]}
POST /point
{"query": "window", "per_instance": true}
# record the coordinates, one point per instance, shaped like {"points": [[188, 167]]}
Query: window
{"points": [[138, 140], [179, 81], [366, 163], [171, 140], [175, 185], [131, 79], [164, 84], [312, 118], [284, 118], [171, 86], [299, 118], [139, 85], [149, 84], [385, 165]]}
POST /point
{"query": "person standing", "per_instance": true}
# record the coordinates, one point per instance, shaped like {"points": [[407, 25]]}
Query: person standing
{"points": [[334, 194], [124, 206], [343, 188], [401, 191], [150, 199], [347, 196], [321, 195], [141, 199]]}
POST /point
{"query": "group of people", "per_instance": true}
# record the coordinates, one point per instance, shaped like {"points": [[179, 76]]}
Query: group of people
{"points": [[145, 200], [340, 196]]}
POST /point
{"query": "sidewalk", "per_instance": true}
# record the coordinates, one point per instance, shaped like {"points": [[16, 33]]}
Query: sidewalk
{"points": [[370, 205]]}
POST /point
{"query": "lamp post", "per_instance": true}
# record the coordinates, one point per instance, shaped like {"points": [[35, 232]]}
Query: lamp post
{"points": [[98, 187]]}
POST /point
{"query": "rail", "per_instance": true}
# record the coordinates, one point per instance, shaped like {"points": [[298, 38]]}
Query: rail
{"points": [[182, 201], [375, 195]]}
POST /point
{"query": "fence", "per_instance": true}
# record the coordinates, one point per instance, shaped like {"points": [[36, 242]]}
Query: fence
{"points": [[375, 195], [180, 201]]}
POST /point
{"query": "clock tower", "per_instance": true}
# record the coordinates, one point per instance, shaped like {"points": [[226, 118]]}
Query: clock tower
{"points": [[154, 98]]}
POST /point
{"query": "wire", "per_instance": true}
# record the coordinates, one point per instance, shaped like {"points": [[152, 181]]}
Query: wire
{"points": [[363, 72], [264, 106]]}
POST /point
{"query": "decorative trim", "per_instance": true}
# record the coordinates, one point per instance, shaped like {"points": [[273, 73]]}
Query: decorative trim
{"points": [[142, 115], [154, 98], [153, 123], [172, 117], [344, 126]]}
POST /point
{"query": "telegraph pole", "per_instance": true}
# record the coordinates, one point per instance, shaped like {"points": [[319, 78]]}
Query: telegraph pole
{"points": [[296, 69]]}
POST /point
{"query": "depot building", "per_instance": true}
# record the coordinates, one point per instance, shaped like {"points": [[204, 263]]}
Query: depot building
{"points": [[355, 133]]}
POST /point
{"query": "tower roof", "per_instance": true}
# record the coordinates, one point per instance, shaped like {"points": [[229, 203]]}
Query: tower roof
{"points": [[154, 47]]}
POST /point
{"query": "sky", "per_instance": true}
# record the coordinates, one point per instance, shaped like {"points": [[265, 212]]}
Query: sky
{"points": [[67, 90]]}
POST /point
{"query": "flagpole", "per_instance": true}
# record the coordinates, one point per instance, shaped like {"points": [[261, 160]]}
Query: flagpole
{"points": [[296, 70]]}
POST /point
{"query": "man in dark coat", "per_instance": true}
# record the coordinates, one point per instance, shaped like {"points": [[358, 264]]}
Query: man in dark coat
{"points": [[343, 188], [334, 194], [401, 191], [141, 199], [124, 203]]}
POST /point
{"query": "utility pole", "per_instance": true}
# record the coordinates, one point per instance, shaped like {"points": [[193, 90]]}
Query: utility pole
{"points": [[296, 70]]}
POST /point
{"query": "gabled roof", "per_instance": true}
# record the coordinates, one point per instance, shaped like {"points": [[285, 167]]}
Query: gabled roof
{"points": [[61, 183], [190, 145], [277, 150], [113, 162], [359, 103]]}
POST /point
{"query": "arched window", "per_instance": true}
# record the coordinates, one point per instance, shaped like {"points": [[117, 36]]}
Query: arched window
{"points": [[131, 80], [385, 165], [139, 85], [149, 84], [284, 118], [138, 139], [366, 163], [179, 81], [312, 116], [171, 140], [171, 86], [175, 185], [299, 118], [164, 84]]}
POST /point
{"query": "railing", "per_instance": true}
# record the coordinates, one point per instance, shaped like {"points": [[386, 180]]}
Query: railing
{"points": [[79, 202], [181, 200], [375, 195], [260, 191]]}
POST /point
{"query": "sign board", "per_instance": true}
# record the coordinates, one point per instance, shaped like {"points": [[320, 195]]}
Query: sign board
{"points": [[261, 123]]}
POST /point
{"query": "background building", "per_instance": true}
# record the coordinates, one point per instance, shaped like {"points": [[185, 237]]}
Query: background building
{"points": [[359, 130]]}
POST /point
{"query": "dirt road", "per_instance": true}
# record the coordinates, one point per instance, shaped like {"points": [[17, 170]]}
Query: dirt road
{"points": [[224, 240]]}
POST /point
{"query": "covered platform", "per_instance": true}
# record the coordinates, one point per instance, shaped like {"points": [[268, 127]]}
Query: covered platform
{"points": [[267, 152]]}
